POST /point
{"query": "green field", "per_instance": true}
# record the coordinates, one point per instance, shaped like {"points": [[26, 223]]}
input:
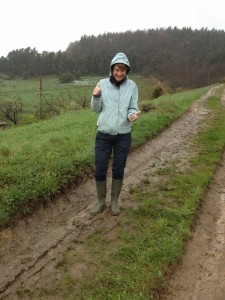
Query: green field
{"points": [[70, 95], [29, 90]]}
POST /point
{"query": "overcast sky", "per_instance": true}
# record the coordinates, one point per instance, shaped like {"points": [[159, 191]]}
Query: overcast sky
{"points": [[50, 25]]}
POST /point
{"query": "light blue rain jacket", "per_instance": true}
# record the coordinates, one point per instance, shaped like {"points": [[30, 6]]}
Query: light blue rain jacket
{"points": [[116, 103]]}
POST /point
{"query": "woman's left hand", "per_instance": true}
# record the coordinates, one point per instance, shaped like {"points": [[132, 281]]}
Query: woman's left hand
{"points": [[134, 116]]}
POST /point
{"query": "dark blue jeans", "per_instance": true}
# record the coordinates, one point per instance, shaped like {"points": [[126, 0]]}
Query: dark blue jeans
{"points": [[105, 145]]}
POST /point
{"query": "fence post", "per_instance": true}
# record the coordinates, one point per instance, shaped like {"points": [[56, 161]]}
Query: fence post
{"points": [[40, 97]]}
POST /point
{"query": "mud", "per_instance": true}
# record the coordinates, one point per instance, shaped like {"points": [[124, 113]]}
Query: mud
{"points": [[202, 272], [30, 250]]}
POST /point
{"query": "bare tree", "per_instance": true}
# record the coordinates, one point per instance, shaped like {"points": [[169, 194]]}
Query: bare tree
{"points": [[11, 109]]}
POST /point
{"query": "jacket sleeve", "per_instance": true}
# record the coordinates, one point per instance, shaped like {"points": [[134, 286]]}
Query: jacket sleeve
{"points": [[133, 107], [96, 103]]}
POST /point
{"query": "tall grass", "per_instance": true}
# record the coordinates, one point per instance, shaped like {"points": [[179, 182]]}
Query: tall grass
{"points": [[36, 161]]}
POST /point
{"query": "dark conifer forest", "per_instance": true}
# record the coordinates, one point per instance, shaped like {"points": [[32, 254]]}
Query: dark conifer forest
{"points": [[183, 57]]}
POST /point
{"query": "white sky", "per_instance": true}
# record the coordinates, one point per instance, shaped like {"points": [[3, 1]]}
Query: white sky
{"points": [[50, 25]]}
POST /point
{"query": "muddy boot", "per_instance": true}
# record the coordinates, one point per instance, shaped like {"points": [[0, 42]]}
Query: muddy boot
{"points": [[101, 195], [116, 188]]}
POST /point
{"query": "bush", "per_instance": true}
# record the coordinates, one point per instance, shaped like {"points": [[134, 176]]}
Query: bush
{"points": [[66, 78], [146, 107], [157, 92], [28, 119]]}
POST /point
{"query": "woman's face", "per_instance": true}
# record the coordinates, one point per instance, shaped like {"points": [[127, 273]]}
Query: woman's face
{"points": [[119, 74]]}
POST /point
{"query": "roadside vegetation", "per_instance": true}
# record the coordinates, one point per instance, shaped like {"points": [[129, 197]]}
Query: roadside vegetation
{"points": [[39, 160], [135, 262]]}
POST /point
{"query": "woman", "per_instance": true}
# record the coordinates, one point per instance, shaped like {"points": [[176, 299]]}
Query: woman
{"points": [[116, 99]]}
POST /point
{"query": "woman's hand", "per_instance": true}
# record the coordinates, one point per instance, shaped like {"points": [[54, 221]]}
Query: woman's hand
{"points": [[97, 90], [134, 116]]}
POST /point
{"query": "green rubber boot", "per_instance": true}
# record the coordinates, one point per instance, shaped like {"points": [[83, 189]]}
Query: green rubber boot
{"points": [[115, 193], [101, 195]]}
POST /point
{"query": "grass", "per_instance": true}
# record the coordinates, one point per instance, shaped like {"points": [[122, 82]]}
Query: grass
{"points": [[28, 90], [68, 95], [166, 109], [150, 239], [38, 160]]}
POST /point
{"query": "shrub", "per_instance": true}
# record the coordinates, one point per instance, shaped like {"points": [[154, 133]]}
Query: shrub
{"points": [[157, 92], [66, 78]]}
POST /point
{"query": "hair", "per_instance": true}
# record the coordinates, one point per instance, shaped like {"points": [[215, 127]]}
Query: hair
{"points": [[121, 66]]}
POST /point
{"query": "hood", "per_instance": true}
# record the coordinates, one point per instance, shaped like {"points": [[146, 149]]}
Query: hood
{"points": [[120, 58]]}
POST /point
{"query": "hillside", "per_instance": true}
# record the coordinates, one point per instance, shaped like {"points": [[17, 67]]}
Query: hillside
{"points": [[182, 57]]}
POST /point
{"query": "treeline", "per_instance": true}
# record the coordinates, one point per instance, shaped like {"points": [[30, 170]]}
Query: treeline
{"points": [[183, 57]]}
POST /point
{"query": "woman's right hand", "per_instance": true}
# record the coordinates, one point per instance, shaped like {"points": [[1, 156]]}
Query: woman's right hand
{"points": [[97, 90]]}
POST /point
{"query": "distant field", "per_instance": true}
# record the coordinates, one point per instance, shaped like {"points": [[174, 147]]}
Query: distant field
{"points": [[29, 89]]}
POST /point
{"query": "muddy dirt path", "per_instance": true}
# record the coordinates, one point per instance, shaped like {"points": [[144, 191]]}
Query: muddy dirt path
{"points": [[30, 251], [201, 276]]}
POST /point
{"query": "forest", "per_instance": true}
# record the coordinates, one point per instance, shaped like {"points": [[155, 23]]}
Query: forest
{"points": [[185, 58]]}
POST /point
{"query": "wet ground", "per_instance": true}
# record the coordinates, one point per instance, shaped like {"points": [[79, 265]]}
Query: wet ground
{"points": [[30, 250]]}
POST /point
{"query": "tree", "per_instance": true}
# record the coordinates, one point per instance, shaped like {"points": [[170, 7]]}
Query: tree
{"points": [[183, 57], [11, 109]]}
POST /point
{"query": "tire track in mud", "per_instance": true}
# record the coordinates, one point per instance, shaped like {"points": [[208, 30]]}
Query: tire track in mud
{"points": [[29, 252], [201, 276]]}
